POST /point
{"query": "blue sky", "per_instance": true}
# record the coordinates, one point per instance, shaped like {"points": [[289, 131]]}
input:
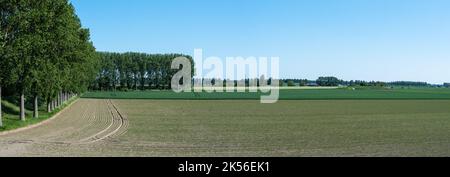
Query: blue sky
{"points": [[386, 40]]}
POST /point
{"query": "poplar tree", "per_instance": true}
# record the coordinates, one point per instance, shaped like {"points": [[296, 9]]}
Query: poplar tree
{"points": [[44, 52], [7, 35]]}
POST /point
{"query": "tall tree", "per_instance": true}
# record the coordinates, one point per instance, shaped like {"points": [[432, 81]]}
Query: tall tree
{"points": [[7, 34], [135, 70], [20, 19], [45, 51]]}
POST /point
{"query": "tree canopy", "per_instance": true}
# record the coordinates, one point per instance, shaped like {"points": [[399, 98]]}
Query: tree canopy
{"points": [[328, 81], [135, 71], [44, 50]]}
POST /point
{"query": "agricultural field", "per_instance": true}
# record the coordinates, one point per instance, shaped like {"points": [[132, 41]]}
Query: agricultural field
{"points": [[289, 94], [346, 79], [81, 128], [408, 126]]}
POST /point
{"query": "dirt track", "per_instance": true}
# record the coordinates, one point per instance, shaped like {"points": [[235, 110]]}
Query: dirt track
{"points": [[86, 126]]}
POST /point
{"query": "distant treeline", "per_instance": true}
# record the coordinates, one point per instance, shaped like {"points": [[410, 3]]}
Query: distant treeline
{"points": [[125, 71], [333, 81], [141, 71]]}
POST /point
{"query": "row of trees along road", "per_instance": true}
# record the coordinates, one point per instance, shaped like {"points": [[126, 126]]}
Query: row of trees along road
{"points": [[133, 71], [45, 54]]}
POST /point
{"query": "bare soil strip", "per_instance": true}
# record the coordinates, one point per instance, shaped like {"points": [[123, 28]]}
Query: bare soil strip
{"points": [[118, 124], [85, 123]]}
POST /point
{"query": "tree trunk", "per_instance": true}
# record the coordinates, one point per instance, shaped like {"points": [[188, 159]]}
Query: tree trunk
{"points": [[1, 122], [56, 101], [61, 95], [49, 107], [36, 107], [59, 99], [135, 82], [22, 106]]}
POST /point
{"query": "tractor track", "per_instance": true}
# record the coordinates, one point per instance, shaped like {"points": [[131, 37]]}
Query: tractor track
{"points": [[118, 126], [88, 122]]}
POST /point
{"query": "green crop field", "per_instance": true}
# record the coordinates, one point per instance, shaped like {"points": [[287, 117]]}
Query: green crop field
{"points": [[289, 94]]}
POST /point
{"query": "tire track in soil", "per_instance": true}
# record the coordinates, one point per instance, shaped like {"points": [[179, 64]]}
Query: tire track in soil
{"points": [[118, 126], [87, 123]]}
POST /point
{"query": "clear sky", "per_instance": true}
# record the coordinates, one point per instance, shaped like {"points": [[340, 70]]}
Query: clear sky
{"points": [[386, 40]]}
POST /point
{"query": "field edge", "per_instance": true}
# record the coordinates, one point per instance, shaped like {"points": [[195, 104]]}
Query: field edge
{"points": [[41, 121]]}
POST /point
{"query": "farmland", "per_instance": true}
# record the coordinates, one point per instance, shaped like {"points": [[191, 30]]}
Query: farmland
{"points": [[355, 79], [289, 94], [291, 128], [188, 127]]}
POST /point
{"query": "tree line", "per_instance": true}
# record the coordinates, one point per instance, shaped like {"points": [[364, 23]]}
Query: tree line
{"points": [[45, 53], [135, 71], [334, 81]]}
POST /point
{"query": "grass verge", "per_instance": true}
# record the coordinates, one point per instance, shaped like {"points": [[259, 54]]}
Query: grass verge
{"points": [[12, 122]]}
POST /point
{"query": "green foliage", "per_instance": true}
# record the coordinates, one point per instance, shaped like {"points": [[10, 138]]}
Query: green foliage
{"points": [[294, 82], [44, 49], [328, 81], [133, 71], [291, 83], [303, 82], [408, 84]]}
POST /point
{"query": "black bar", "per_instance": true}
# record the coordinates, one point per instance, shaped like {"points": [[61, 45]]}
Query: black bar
{"points": [[276, 166]]}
